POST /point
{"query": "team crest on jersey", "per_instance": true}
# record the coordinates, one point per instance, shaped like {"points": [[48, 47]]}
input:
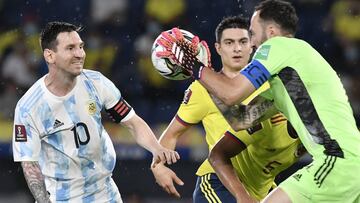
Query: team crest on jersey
{"points": [[91, 107], [263, 52], [20, 133], [187, 96]]}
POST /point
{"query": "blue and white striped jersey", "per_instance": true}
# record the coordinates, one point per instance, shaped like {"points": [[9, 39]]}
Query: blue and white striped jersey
{"points": [[66, 136]]}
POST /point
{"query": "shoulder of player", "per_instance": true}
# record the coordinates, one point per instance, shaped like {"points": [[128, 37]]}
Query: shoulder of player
{"points": [[196, 86], [277, 39], [196, 92], [32, 95], [91, 74], [284, 41]]}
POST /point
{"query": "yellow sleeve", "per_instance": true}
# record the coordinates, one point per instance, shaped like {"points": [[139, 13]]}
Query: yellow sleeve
{"points": [[241, 135], [194, 106], [260, 90]]}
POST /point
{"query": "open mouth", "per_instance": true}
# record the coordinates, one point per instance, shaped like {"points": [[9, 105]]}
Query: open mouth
{"points": [[78, 63]]}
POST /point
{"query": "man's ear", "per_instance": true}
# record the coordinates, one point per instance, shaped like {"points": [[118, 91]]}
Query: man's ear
{"points": [[217, 47], [49, 56], [273, 30]]}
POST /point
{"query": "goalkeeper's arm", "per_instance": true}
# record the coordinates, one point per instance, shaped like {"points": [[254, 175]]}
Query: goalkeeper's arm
{"points": [[241, 117]]}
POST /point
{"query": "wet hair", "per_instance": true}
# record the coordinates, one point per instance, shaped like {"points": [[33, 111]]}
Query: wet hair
{"points": [[230, 22], [281, 12], [52, 29]]}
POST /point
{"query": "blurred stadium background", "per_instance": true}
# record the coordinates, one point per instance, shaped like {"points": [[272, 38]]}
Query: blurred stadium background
{"points": [[118, 36]]}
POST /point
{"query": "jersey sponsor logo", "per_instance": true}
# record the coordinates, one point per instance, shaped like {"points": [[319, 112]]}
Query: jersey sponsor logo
{"points": [[187, 96], [263, 52], [297, 176], [20, 133], [57, 123], [91, 107]]}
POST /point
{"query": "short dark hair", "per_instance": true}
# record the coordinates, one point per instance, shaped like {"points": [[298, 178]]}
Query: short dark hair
{"points": [[281, 12], [231, 22], [52, 29]]}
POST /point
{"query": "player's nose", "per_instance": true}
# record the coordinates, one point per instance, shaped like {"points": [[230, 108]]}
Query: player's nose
{"points": [[237, 47], [79, 53]]}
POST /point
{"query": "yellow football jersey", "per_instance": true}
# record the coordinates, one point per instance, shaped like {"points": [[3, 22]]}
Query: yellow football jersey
{"points": [[270, 148], [197, 107]]}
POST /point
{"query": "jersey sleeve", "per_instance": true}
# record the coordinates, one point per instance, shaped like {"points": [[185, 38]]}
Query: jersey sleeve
{"points": [[26, 141], [116, 106], [269, 59], [264, 87], [194, 106], [241, 136], [108, 93]]}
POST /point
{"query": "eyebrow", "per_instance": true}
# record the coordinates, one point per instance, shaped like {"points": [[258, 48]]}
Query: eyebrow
{"points": [[231, 39], [72, 45]]}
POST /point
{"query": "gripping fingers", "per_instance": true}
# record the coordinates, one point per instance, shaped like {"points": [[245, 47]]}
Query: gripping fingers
{"points": [[205, 45], [178, 35], [178, 53], [168, 37], [165, 43], [195, 43], [168, 157], [175, 157], [164, 54]]}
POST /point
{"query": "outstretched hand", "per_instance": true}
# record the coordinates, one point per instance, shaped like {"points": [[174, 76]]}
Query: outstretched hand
{"points": [[164, 155], [183, 52], [166, 178]]}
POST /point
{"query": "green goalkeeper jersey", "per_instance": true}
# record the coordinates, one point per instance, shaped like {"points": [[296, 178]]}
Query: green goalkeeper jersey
{"points": [[309, 93]]}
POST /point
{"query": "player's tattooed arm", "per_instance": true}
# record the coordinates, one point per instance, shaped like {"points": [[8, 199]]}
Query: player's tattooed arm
{"points": [[241, 117], [35, 181]]}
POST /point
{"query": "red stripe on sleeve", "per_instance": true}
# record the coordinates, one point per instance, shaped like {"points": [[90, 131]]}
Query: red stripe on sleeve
{"points": [[233, 137], [182, 121]]}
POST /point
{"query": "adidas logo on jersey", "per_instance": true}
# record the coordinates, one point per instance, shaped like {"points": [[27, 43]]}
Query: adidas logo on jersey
{"points": [[57, 123], [297, 176]]}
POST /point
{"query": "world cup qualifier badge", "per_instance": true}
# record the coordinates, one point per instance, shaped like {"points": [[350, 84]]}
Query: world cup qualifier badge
{"points": [[91, 107], [187, 96], [20, 133]]}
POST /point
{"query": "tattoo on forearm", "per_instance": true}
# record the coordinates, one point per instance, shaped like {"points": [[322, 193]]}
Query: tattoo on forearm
{"points": [[241, 117], [35, 181]]}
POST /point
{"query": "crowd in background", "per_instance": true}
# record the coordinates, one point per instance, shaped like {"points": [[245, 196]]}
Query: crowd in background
{"points": [[119, 35]]}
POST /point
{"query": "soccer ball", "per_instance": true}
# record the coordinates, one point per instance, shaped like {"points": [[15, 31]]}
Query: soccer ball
{"points": [[169, 69]]}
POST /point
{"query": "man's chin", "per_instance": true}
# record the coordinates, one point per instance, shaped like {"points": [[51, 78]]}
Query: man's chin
{"points": [[239, 65], [78, 71], [236, 67]]}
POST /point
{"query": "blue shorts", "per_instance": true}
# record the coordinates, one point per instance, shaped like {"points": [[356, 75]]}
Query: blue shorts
{"points": [[210, 189]]}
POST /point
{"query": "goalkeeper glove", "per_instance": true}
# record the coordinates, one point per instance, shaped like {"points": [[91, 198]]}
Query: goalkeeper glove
{"points": [[183, 52]]}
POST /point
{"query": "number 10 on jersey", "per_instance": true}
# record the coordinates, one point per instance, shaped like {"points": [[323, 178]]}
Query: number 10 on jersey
{"points": [[81, 140]]}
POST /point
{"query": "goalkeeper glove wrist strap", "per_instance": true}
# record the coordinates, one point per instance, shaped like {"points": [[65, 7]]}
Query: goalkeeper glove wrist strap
{"points": [[197, 70]]}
